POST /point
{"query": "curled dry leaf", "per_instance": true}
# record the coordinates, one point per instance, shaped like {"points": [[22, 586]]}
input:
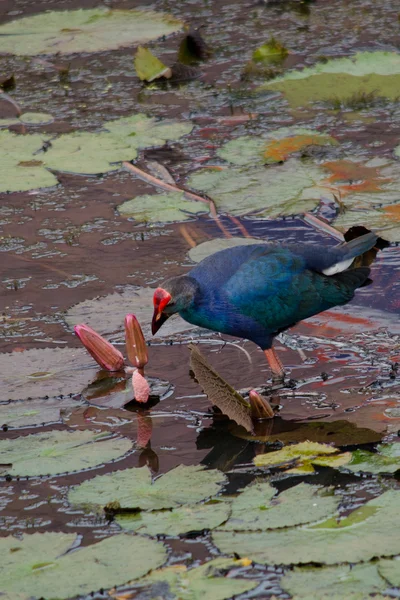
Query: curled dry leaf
{"points": [[219, 392]]}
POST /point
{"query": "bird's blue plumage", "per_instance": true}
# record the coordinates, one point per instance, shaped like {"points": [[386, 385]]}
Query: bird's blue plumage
{"points": [[255, 291]]}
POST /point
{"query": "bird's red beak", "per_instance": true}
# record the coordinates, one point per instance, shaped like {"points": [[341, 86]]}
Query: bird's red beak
{"points": [[160, 300]]}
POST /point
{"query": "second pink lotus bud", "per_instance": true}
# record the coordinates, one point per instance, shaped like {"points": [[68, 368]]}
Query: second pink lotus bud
{"points": [[136, 348]]}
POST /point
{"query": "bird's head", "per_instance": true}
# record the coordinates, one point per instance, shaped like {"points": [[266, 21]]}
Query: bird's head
{"points": [[175, 295]]}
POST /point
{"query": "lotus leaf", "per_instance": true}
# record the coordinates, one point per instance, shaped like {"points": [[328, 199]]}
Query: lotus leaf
{"points": [[94, 30], [285, 189], [348, 582], [341, 79], [37, 565], [383, 221], [301, 457], [54, 452], [177, 521], [258, 507], [134, 488], [148, 67], [206, 581], [386, 460], [45, 372], [390, 570], [205, 249], [35, 412], [368, 532], [164, 208]]}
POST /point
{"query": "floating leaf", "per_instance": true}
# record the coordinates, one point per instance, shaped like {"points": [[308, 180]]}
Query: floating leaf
{"points": [[37, 565], [219, 392], [35, 412], [285, 189], [390, 570], [275, 146], [175, 522], [210, 580], [386, 460], [94, 30], [385, 222], [303, 456], [106, 315], [258, 507], [93, 153], [57, 451], [148, 67], [24, 166], [45, 372], [368, 532], [344, 582], [134, 488], [161, 208], [341, 78], [30, 118]]}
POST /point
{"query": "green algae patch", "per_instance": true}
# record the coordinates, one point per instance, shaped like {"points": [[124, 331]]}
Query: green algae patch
{"points": [[210, 580], [37, 565], [161, 208], [93, 30], [135, 488], [366, 533], [55, 452], [341, 79]]}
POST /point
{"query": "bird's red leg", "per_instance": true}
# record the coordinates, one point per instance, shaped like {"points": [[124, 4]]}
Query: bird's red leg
{"points": [[278, 371]]}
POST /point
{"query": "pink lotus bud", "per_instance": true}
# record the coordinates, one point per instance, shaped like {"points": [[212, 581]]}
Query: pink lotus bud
{"points": [[135, 343], [260, 407], [141, 388], [144, 431], [101, 350]]}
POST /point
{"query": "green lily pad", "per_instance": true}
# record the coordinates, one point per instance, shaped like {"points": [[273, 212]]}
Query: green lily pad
{"points": [[134, 488], [177, 521], [258, 507], [275, 146], [207, 581], [55, 452], [94, 153], [301, 457], [164, 208], [94, 30], [45, 372], [35, 412], [271, 51], [21, 168], [344, 582], [31, 118], [148, 67], [24, 166], [390, 570], [386, 460], [285, 189], [37, 565], [341, 79], [368, 532]]}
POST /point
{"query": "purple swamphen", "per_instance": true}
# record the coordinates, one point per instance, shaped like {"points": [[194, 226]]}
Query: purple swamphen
{"points": [[258, 291]]}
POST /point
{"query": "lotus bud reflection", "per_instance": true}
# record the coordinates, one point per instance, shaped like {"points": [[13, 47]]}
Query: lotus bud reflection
{"points": [[141, 388], [104, 353], [135, 343], [260, 407]]}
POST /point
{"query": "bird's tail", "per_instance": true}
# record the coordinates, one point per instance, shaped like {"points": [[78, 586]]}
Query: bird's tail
{"points": [[345, 252]]}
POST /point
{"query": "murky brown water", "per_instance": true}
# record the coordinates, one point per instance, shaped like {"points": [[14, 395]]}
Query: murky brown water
{"points": [[64, 245]]}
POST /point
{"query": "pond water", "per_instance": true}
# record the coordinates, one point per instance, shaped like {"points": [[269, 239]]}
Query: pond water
{"points": [[301, 159]]}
